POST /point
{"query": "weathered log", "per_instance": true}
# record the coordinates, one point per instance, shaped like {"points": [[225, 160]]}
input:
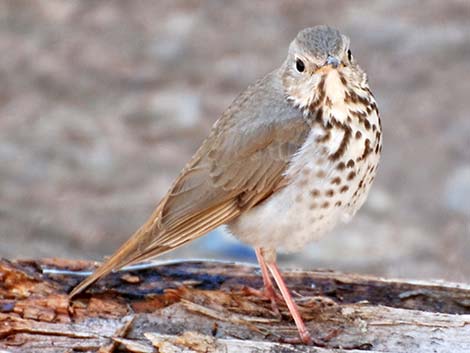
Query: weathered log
{"points": [[205, 307]]}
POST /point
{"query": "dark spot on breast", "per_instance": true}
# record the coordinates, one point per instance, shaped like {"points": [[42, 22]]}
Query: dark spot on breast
{"points": [[343, 189], [363, 100], [313, 206], [325, 204], [367, 124], [336, 180], [350, 163], [315, 192], [343, 144], [343, 80], [313, 107], [329, 193], [341, 166], [321, 174], [361, 115], [350, 97], [328, 102], [367, 150], [338, 204], [319, 116], [321, 84], [358, 134], [336, 123], [351, 175]]}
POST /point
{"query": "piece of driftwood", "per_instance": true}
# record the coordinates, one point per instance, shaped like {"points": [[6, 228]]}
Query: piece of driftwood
{"points": [[206, 307]]}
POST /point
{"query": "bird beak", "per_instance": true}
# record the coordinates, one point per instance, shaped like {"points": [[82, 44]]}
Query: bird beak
{"points": [[333, 61]]}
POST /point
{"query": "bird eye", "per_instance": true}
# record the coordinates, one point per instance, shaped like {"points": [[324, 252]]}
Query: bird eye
{"points": [[349, 55], [299, 65]]}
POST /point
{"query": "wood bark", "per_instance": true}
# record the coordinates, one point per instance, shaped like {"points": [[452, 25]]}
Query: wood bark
{"points": [[206, 307]]}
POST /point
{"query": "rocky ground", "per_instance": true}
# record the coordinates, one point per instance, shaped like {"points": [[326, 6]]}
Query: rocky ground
{"points": [[101, 104]]}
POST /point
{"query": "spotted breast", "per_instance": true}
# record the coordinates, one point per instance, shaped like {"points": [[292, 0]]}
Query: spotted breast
{"points": [[329, 177]]}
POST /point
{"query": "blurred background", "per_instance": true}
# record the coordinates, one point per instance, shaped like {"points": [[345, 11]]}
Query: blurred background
{"points": [[103, 102]]}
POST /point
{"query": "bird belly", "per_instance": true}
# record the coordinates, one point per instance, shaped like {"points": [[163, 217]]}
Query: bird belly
{"points": [[323, 190]]}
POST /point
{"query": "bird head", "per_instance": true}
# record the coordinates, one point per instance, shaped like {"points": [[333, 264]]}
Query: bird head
{"points": [[320, 64]]}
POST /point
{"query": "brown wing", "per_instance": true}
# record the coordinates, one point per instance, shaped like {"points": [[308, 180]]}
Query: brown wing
{"points": [[240, 164]]}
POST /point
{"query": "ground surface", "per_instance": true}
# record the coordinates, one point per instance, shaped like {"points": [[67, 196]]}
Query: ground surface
{"points": [[206, 307], [101, 104]]}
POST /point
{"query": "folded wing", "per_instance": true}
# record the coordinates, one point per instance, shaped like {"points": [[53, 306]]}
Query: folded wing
{"points": [[239, 165]]}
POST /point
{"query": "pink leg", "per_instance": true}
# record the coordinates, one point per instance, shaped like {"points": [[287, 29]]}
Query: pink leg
{"points": [[268, 284], [303, 332], [268, 290]]}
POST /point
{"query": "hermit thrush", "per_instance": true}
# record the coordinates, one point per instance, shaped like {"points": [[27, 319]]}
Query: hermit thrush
{"points": [[293, 154]]}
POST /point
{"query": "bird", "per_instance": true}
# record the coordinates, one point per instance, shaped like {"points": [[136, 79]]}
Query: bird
{"points": [[292, 156]]}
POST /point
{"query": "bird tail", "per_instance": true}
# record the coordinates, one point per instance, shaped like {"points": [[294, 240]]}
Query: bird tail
{"points": [[125, 255], [150, 241]]}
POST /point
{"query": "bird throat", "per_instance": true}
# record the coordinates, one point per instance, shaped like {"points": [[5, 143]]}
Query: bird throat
{"points": [[333, 99], [331, 94]]}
